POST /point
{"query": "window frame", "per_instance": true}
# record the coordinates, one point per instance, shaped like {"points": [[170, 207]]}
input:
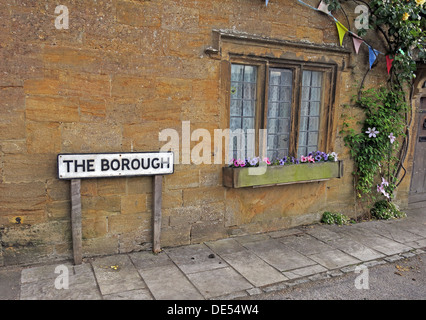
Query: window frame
{"points": [[264, 65]]}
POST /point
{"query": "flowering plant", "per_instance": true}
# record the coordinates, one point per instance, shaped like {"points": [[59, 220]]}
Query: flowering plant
{"points": [[312, 157]]}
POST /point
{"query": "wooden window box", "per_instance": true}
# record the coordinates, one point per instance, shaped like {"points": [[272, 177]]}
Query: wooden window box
{"points": [[282, 175]]}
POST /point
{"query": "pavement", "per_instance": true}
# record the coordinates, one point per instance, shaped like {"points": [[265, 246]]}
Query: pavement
{"points": [[226, 269]]}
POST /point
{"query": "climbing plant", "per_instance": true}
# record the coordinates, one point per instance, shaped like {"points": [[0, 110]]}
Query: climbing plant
{"points": [[379, 149]]}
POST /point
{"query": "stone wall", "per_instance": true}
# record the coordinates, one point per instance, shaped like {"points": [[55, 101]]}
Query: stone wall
{"points": [[121, 73]]}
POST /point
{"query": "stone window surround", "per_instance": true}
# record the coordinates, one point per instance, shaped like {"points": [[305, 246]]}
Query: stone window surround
{"points": [[231, 47]]}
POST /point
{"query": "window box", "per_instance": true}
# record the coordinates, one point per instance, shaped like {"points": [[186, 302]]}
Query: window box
{"points": [[281, 175]]}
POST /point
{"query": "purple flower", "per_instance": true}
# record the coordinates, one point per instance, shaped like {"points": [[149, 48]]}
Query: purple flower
{"points": [[282, 162], [318, 158], [297, 161], [372, 132], [254, 161], [325, 157], [392, 138]]}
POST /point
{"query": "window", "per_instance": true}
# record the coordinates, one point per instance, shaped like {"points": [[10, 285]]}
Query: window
{"points": [[243, 104], [289, 100], [310, 112], [279, 112]]}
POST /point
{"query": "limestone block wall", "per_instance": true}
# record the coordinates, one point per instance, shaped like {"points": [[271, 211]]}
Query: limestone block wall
{"points": [[123, 71]]}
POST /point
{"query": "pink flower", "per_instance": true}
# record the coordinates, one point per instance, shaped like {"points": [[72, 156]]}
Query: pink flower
{"points": [[236, 163], [311, 159], [381, 188], [303, 159], [266, 159]]}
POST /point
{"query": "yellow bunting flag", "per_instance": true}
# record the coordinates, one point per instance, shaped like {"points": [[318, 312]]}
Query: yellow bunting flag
{"points": [[342, 31]]}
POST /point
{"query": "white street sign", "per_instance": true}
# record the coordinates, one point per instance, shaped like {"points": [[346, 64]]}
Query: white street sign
{"points": [[79, 166]]}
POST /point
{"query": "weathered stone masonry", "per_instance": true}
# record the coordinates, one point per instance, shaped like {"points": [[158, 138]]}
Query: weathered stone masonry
{"points": [[121, 73]]}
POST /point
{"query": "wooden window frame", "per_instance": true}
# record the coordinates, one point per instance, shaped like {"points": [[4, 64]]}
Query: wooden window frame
{"points": [[263, 65]]}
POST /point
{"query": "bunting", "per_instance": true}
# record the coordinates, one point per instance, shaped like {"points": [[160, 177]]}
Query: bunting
{"points": [[357, 40], [341, 29], [267, 2], [388, 63], [323, 7], [372, 55]]}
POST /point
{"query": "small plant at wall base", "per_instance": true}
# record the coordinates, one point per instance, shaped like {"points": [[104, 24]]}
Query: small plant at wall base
{"points": [[334, 218], [386, 210], [379, 150]]}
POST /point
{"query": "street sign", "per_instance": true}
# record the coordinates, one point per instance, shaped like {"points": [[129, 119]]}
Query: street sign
{"points": [[103, 165]]}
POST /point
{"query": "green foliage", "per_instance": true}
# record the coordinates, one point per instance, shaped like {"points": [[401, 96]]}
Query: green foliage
{"points": [[386, 210], [334, 218], [376, 156], [332, 4], [406, 35]]}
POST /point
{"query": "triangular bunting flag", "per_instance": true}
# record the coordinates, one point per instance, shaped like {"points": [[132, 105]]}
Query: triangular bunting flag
{"points": [[342, 31], [357, 43], [323, 7], [389, 63], [267, 2], [372, 55]]}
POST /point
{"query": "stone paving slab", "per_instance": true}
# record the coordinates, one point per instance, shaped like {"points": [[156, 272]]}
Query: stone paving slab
{"points": [[373, 241], [169, 283], [163, 278], [225, 246], [279, 255], [81, 286], [306, 244], [304, 272], [383, 245], [44, 272], [248, 264], [233, 267], [355, 249], [416, 227], [417, 244], [219, 282], [393, 231], [333, 259], [253, 268], [116, 274], [195, 258]]}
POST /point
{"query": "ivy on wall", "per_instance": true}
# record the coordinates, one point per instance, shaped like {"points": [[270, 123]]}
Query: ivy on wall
{"points": [[380, 148]]}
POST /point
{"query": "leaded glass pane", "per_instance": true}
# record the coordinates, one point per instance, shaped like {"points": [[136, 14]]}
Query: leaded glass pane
{"points": [[242, 108], [310, 112], [279, 111]]}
